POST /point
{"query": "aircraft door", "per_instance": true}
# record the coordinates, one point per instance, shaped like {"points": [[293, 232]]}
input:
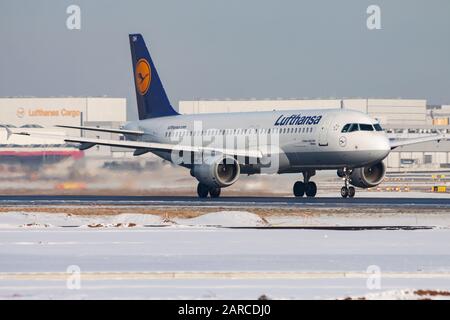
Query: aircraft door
{"points": [[323, 131]]}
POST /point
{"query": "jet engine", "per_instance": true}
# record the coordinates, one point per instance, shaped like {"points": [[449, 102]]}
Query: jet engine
{"points": [[367, 177], [219, 171]]}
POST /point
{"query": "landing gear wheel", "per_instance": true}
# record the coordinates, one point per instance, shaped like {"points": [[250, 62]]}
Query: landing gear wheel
{"points": [[311, 189], [299, 189], [344, 192], [351, 192], [214, 192], [202, 190]]}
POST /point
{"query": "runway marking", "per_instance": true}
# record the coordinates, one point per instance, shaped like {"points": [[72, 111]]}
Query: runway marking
{"points": [[237, 275]]}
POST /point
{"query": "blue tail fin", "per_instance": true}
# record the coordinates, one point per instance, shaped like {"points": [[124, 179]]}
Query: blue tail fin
{"points": [[152, 100]]}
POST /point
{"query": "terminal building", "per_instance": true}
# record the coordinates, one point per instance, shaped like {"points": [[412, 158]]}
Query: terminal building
{"points": [[401, 118]]}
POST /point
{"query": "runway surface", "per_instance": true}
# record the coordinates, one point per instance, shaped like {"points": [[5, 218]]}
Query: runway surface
{"points": [[219, 263], [228, 254], [397, 200]]}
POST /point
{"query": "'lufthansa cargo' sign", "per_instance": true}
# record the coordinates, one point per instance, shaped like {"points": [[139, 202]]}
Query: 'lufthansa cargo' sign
{"points": [[40, 112], [297, 119]]}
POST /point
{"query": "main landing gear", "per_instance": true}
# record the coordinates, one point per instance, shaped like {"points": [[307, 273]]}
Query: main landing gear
{"points": [[203, 190], [346, 190], [305, 187]]}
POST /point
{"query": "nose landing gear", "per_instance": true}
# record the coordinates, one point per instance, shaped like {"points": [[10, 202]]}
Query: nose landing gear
{"points": [[305, 187], [347, 191]]}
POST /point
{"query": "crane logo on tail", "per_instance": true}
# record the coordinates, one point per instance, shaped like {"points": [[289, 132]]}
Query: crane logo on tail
{"points": [[143, 76]]}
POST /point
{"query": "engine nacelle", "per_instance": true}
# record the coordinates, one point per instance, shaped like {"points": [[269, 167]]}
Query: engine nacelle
{"points": [[367, 177], [220, 171]]}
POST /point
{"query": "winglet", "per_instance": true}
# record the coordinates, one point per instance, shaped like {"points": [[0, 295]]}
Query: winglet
{"points": [[86, 145]]}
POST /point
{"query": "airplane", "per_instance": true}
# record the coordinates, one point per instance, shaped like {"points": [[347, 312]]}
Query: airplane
{"points": [[288, 141]]}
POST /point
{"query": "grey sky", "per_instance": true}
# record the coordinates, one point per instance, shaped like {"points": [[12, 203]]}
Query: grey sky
{"points": [[229, 49]]}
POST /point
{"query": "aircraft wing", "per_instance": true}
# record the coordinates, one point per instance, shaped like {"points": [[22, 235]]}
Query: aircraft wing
{"points": [[404, 142], [130, 132], [142, 147]]}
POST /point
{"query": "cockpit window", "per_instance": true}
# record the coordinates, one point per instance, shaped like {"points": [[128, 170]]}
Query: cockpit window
{"points": [[377, 127], [353, 127], [350, 127], [345, 128], [365, 127]]}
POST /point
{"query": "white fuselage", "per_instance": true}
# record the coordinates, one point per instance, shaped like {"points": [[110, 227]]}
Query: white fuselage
{"points": [[306, 139]]}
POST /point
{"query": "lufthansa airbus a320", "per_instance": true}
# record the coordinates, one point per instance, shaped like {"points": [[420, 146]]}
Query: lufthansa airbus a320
{"points": [[218, 148]]}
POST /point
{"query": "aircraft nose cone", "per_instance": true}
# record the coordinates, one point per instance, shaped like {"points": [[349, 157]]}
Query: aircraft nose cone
{"points": [[384, 143], [382, 146]]}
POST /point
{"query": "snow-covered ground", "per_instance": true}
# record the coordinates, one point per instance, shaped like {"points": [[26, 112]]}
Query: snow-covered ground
{"points": [[132, 249], [27, 220]]}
